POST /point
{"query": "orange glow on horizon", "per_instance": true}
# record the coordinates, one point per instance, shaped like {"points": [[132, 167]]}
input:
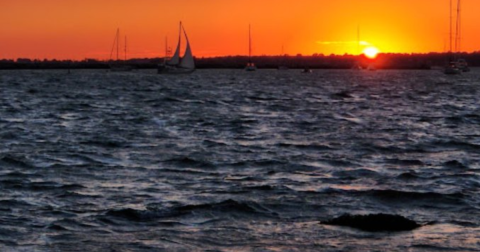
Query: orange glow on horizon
{"points": [[78, 29]]}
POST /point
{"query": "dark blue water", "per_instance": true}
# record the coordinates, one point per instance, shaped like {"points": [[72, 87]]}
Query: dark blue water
{"points": [[234, 161]]}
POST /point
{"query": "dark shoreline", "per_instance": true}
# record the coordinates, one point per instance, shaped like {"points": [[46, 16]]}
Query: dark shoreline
{"points": [[316, 61]]}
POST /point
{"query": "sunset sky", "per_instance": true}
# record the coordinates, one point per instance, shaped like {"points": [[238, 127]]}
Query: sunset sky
{"points": [[81, 29]]}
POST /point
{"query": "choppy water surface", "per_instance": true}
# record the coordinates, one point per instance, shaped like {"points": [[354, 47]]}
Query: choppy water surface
{"points": [[234, 161]]}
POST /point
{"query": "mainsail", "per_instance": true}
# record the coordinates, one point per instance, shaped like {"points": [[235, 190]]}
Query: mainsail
{"points": [[175, 60], [187, 60]]}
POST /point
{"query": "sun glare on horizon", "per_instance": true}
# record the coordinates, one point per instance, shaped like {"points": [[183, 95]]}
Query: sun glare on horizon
{"points": [[371, 52]]}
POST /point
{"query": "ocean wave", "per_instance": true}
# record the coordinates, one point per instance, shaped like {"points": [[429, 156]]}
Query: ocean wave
{"points": [[456, 199], [312, 146], [189, 162], [228, 207], [11, 160]]}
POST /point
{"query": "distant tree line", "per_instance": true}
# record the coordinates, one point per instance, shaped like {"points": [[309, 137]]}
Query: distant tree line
{"points": [[316, 61]]}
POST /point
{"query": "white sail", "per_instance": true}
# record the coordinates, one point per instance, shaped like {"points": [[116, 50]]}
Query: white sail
{"points": [[187, 60], [175, 60]]}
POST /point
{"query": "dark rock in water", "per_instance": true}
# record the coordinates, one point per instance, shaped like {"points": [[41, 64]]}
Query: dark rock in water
{"points": [[32, 91], [374, 222], [342, 95], [454, 164], [133, 214]]}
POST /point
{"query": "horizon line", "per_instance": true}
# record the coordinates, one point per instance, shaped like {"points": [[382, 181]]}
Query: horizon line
{"points": [[241, 55]]}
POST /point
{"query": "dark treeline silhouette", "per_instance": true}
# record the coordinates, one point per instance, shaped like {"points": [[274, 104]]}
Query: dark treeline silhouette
{"points": [[316, 61]]}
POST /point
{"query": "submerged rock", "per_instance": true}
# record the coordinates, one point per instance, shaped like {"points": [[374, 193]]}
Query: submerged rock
{"points": [[342, 95], [455, 164], [374, 222]]}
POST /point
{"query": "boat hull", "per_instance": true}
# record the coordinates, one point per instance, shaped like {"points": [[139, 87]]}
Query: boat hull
{"points": [[162, 69], [121, 68], [452, 71], [462, 65]]}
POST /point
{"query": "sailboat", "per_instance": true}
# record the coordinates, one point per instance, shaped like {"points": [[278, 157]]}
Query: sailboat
{"points": [[357, 65], [462, 64], [177, 64], [250, 65], [119, 65], [307, 70], [451, 68], [282, 65]]}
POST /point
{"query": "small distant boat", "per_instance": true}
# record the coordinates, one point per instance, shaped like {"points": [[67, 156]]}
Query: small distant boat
{"points": [[452, 67], [357, 65], [462, 65], [177, 64], [282, 66], [307, 70], [250, 65], [119, 65]]}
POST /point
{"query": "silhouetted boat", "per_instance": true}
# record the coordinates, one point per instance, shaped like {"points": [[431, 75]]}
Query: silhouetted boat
{"points": [[119, 65], [282, 66], [461, 64], [307, 70], [451, 68], [177, 64], [356, 64], [250, 65]]}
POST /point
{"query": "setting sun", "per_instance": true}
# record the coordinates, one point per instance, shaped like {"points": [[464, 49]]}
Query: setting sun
{"points": [[371, 52]]}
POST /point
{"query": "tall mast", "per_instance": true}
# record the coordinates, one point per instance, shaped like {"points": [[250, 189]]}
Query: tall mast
{"points": [[118, 41], [458, 30], [249, 43], [358, 39], [451, 35], [125, 48], [180, 39]]}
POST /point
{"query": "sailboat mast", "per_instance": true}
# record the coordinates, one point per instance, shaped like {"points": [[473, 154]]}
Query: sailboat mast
{"points": [[249, 43], [358, 39], [180, 39], [125, 48], [166, 49], [451, 35], [458, 28], [118, 41]]}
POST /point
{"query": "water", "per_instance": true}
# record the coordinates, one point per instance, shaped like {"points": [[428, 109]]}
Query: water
{"points": [[224, 160]]}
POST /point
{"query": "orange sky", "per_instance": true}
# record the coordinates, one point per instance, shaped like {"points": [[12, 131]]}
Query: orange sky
{"points": [[86, 28]]}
